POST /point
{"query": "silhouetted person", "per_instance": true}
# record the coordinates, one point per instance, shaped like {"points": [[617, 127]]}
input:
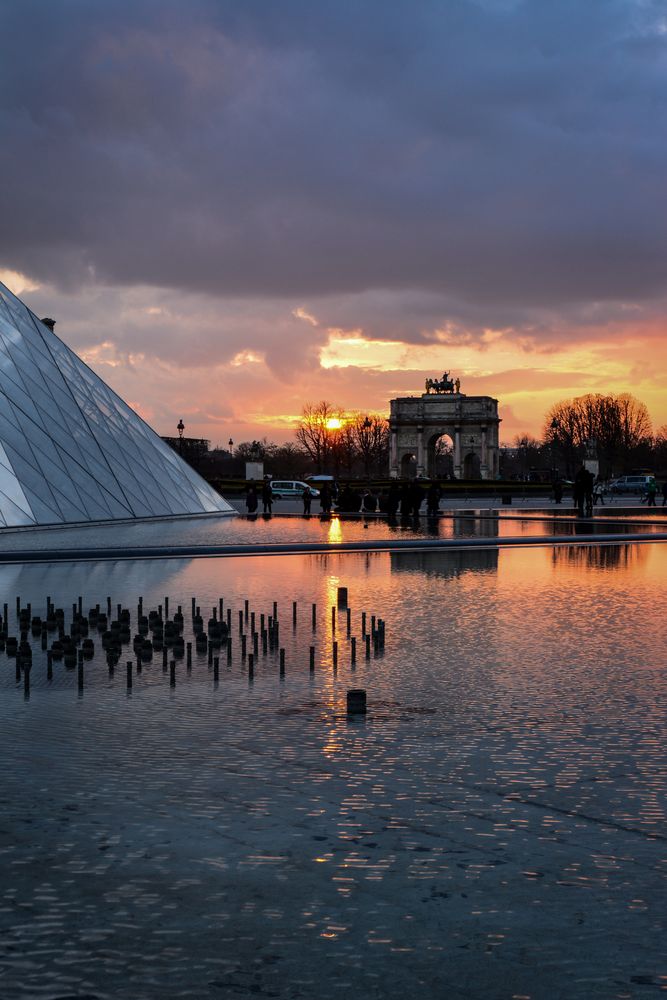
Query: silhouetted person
{"points": [[579, 489], [325, 498], [307, 497], [664, 493], [406, 500], [651, 491], [251, 499], [393, 499], [416, 497], [558, 491], [589, 488], [370, 502], [433, 500], [267, 496]]}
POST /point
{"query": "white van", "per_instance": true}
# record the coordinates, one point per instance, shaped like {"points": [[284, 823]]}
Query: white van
{"points": [[631, 484], [291, 489]]}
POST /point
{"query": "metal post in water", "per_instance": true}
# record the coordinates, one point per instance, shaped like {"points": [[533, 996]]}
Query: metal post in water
{"points": [[356, 701], [282, 662]]}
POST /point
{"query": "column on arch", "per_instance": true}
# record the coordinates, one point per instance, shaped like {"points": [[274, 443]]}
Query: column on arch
{"points": [[484, 468], [457, 452], [420, 450], [393, 452]]}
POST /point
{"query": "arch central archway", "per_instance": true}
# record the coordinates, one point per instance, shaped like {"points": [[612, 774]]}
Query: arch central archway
{"points": [[440, 456]]}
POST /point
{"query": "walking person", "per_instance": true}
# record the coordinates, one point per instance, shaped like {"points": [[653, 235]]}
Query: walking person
{"points": [[307, 497], [664, 493], [267, 496], [589, 491], [651, 491]]}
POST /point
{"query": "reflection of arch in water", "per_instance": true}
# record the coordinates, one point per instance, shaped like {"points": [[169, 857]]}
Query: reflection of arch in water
{"points": [[475, 527], [603, 557], [447, 564]]}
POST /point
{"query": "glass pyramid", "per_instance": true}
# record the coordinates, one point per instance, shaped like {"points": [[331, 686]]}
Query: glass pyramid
{"points": [[70, 449]]}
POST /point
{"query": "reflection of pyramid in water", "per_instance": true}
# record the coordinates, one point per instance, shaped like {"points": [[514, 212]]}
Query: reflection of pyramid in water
{"points": [[70, 449]]}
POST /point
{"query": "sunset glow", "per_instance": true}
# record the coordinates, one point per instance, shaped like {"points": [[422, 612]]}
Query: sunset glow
{"points": [[501, 239]]}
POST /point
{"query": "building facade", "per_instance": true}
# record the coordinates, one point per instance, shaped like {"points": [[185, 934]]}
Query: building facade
{"points": [[471, 422]]}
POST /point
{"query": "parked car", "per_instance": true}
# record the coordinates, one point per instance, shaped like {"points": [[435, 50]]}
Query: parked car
{"points": [[631, 484], [284, 489]]}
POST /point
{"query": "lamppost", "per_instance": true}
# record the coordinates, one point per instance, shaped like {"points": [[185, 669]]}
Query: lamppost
{"points": [[366, 444], [180, 427], [555, 427], [230, 445]]}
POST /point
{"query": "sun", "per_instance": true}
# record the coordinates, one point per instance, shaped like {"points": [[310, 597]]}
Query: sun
{"points": [[333, 424]]}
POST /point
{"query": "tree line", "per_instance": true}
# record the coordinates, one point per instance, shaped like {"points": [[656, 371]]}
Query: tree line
{"points": [[614, 429]]}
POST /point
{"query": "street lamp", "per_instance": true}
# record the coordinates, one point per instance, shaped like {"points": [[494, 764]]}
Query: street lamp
{"points": [[230, 444], [180, 427], [555, 427]]}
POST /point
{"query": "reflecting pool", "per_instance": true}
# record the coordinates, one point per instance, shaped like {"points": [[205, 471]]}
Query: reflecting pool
{"points": [[494, 828]]}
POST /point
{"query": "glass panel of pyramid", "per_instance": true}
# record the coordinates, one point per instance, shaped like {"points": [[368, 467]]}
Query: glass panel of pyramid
{"points": [[70, 449]]}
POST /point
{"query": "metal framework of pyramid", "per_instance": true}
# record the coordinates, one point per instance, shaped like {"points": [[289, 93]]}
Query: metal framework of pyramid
{"points": [[71, 450]]}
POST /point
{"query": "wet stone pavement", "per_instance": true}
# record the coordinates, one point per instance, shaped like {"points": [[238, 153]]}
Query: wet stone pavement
{"points": [[495, 829], [259, 843]]}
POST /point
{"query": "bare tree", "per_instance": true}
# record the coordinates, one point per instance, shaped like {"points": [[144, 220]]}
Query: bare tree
{"points": [[614, 426], [370, 434], [315, 433]]}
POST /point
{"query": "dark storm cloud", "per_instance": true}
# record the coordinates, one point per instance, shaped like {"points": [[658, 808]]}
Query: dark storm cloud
{"points": [[497, 156]]}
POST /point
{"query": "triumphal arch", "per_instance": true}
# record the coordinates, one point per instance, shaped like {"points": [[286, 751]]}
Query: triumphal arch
{"points": [[472, 422]]}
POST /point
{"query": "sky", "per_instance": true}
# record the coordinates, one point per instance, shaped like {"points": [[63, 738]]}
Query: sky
{"points": [[233, 209]]}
